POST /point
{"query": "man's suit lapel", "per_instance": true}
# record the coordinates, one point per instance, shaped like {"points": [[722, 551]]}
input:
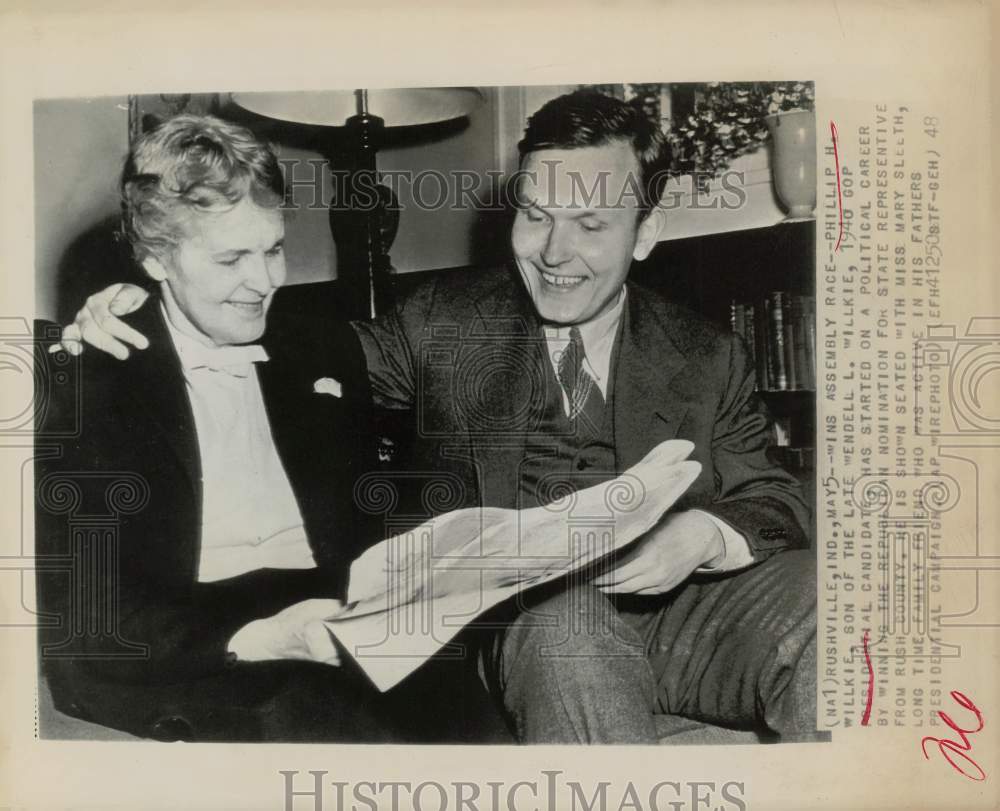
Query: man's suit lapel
{"points": [[651, 395], [653, 385], [504, 349]]}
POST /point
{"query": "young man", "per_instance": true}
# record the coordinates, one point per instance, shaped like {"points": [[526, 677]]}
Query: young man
{"points": [[556, 374]]}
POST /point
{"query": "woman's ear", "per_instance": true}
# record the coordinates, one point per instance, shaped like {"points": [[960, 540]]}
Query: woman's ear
{"points": [[154, 269], [649, 233]]}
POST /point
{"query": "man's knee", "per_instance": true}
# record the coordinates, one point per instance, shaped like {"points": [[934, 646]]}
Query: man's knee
{"points": [[761, 609], [567, 625], [791, 576], [799, 564], [568, 668]]}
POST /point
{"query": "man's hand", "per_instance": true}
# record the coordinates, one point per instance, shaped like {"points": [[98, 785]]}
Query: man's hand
{"points": [[665, 556], [98, 324], [297, 632]]}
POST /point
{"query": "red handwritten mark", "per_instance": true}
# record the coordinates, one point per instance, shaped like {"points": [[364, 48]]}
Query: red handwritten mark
{"points": [[866, 717], [948, 747], [840, 198]]}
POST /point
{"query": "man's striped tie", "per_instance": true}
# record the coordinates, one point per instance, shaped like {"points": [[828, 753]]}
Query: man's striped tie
{"points": [[584, 395]]}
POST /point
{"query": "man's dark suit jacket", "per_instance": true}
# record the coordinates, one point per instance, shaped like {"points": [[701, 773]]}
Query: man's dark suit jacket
{"points": [[465, 352], [129, 627]]}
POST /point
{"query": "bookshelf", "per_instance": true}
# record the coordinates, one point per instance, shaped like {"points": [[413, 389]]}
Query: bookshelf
{"points": [[772, 271]]}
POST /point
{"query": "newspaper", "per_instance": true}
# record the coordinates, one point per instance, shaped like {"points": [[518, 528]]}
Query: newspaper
{"points": [[412, 593]]}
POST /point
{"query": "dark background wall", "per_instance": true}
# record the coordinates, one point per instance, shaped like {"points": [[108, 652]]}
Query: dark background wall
{"points": [[79, 148], [80, 145]]}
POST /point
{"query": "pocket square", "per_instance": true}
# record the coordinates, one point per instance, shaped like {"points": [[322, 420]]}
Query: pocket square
{"points": [[327, 385]]}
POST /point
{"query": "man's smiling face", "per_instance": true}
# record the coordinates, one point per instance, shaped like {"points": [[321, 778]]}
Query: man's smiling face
{"points": [[577, 229]]}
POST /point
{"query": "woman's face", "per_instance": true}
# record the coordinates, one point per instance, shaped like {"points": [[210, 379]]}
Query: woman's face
{"points": [[223, 273]]}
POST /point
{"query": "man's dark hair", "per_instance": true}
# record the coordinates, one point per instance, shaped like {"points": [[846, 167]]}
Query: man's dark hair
{"points": [[588, 118]]}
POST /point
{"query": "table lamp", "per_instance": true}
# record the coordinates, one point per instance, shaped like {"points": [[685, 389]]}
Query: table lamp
{"points": [[363, 231]]}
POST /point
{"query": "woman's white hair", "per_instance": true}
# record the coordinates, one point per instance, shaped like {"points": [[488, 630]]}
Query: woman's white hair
{"points": [[192, 164]]}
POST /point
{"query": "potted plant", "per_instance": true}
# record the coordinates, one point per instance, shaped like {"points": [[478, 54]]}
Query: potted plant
{"points": [[714, 123], [729, 119], [709, 124]]}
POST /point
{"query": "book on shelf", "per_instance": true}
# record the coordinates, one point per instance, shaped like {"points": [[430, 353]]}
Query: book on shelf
{"points": [[780, 332]]}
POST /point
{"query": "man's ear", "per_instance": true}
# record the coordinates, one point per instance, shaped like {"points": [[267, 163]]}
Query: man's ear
{"points": [[648, 234], [154, 269]]}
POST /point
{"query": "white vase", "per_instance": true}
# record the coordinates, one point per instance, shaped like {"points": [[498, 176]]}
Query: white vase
{"points": [[793, 161]]}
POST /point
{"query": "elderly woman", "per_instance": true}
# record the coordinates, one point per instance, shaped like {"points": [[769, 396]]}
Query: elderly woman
{"points": [[239, 443]]}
